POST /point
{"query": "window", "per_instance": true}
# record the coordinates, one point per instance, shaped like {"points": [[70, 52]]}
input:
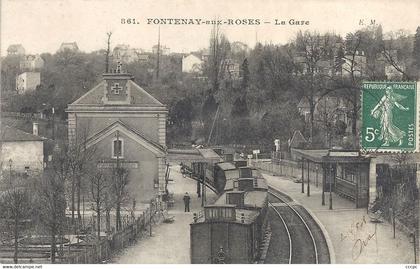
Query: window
{"points": [[118, 148]]}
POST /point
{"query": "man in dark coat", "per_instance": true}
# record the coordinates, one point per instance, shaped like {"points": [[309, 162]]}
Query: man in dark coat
{"points": [[187, 202]]}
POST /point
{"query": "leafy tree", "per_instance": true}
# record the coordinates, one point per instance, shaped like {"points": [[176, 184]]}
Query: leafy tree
{"points": [[9, 70]]}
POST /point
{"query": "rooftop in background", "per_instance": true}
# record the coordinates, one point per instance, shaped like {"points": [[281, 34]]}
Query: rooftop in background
{"points": [[10, 134]]}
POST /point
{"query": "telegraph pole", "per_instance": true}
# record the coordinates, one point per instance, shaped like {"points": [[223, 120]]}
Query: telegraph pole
{"points": [[158, 55]]}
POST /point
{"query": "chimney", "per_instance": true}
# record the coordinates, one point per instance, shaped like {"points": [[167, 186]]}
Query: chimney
{"points": [[35, 128]]}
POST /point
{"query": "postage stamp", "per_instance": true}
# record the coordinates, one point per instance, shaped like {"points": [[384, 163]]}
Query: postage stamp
{"points": [[389, 117]]}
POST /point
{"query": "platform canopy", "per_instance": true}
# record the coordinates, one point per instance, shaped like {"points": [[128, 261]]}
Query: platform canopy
{"points": [[330, 156]]}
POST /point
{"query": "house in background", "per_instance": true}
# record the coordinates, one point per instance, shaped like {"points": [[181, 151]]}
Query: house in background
{"points": [[192, 64], [21, 152], [327, 108], [68, 46], [123, 53], [164, 50], [16, 49], [31, 63], [232, 68], [127, 127], [27, 81], [356, 63]]}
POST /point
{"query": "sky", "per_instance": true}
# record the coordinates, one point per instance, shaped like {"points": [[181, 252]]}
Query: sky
{"points": [[42, 25]]}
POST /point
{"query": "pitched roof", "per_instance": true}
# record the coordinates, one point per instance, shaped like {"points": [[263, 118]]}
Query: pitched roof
{"points": [[129, 131], [297, 140], [139, 97], [10, 134]]}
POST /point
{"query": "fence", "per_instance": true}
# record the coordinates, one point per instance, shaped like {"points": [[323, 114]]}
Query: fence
{"points": [[132, 230], [290, 168]]}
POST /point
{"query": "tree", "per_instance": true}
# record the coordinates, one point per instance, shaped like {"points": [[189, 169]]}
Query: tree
{"points": [[215, 68], [245, 75], [17, 206], [315, 52], [119, 190], [51, 206], [208, 112], [416, 48], [99, 185], [397, 53], [78, 156]]}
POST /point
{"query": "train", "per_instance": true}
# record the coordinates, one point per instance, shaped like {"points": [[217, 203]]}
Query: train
{"points": [[232, 229]]}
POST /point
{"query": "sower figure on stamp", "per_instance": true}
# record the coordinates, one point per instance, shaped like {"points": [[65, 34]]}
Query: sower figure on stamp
{"points": [[383, 110], [187, 202]]}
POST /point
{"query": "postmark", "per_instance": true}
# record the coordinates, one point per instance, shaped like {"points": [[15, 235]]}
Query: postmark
{"points": [[389, 117]]}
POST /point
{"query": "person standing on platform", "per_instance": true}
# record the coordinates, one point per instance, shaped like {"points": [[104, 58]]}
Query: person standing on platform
{"points": [[187, 202]]}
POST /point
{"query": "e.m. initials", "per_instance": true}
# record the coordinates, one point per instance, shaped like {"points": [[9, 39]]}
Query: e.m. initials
{"points": [[366, 22]]}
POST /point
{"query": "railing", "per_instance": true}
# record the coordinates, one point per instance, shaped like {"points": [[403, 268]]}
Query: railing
{"points": [[100, 251]]}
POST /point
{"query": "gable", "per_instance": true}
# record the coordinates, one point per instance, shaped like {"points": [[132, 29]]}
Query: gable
{"points": [[133, 134], [137, 96]]}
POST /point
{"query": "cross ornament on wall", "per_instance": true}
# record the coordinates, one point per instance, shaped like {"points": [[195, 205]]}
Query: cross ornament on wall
{"points": [[116, 88]]}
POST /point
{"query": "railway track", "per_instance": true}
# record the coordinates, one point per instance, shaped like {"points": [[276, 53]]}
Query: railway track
{"points": [[296, 237]]}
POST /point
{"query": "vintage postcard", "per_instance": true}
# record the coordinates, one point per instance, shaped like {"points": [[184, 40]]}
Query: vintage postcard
{"points": [[209, 132]]}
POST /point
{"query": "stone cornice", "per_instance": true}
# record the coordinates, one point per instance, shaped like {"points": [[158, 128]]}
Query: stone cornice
{"points": [[117, 109]]}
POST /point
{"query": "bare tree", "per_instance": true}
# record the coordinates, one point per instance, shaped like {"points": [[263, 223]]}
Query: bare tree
{"points": [[316, 58], [51, 206], [119, 191], [396, 52], [99, 185], [76, 158], [216, 65], [16, 204]]}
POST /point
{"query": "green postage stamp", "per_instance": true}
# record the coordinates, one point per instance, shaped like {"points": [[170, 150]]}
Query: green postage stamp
{"points": [[389, 117]]}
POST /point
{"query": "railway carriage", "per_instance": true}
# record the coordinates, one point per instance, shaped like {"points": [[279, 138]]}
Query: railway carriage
{"points": [[232, 229]]}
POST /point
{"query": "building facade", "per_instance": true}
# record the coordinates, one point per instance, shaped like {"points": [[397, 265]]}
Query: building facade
{"points": [[123, 53], [27, 81], [68, 46], [192, 64], [127, 128], [21, 152]]}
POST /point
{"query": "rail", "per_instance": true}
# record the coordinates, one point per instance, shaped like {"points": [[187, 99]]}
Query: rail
{"points": [[287, 231], [303, 221]]}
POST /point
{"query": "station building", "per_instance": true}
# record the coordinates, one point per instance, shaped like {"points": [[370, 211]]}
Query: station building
{"points": [[127, 127]]}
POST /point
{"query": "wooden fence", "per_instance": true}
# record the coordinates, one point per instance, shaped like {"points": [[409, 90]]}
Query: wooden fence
{"points": [[132, 231]]}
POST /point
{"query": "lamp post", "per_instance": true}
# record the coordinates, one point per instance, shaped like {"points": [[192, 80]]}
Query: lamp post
{"points": [[413, 235], [333, 176], [10, 171], [53, 123]]}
